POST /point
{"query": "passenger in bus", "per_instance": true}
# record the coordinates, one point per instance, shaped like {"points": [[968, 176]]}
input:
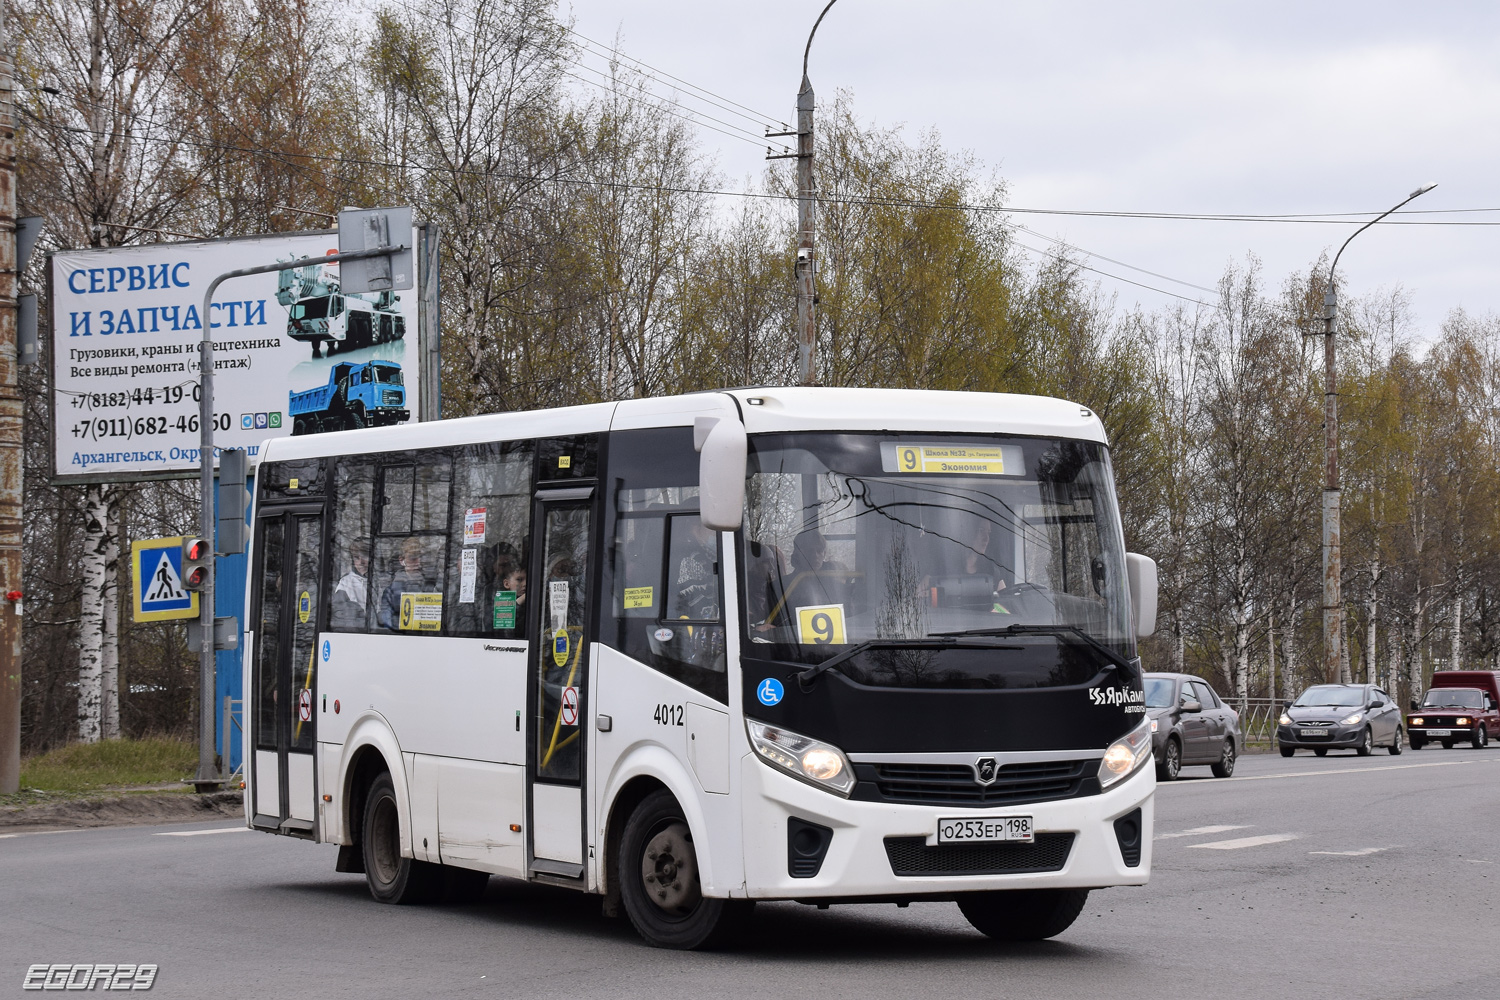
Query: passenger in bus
{"points": [[352, 593], [816, 579], [963, 573], [696, 575], [765, 583], [412, 577]]}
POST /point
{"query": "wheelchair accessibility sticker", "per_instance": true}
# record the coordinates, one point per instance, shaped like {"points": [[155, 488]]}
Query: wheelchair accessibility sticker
{"points": [[769, 691]]}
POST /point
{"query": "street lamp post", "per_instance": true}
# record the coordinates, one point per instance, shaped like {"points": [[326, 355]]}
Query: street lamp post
{"points": [[805, 268], [1333, 601]]}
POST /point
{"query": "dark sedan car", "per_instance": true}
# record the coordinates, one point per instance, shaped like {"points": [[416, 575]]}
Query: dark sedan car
{"points": [[1326, 717], [1190, 725]]}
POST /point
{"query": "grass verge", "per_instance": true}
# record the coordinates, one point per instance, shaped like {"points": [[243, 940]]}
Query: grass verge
{"points": [[84, 767]]}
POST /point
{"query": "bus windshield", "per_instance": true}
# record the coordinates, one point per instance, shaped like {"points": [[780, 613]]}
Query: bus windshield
{"points": [[852, 536]]}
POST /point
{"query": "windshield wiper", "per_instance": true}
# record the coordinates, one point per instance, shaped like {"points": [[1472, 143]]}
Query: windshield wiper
{"points": [[1124, 666]]}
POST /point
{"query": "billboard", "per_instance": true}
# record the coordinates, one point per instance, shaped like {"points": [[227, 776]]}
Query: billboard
{"points": [[293, 354]]}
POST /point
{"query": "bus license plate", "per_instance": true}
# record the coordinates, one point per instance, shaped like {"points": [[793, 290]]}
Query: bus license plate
{"points": [[1439, 732], [957, 831]]}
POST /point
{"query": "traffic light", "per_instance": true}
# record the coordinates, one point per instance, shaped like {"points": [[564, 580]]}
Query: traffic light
{"points": [[196, 552]]}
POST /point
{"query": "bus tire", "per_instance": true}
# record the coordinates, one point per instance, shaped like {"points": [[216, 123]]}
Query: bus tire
{"points": [[392, 878], [1023, 914], [657, 868]]}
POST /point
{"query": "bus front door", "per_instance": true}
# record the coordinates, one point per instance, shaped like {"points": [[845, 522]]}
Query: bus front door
{"points": [[288, 618], [560, 617]]}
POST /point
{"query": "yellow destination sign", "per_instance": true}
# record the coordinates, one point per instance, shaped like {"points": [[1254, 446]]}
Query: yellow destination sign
{"points": [[421, 613], [917, 458]]}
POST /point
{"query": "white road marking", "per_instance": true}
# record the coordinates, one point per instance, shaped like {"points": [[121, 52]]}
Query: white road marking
{"points": [[1353, 854], [200, 833], [1199, 831], [37, 833], [1474, 861], [1235, 845], [1309, 774]]}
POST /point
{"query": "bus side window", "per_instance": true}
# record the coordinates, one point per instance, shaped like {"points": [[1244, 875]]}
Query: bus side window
{"points": [[489, 540], [666, 589], [349, 607], [410, 564]]}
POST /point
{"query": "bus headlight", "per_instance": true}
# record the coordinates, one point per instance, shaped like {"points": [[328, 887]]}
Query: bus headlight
{"points": [[1125, 755], [814, 761]]}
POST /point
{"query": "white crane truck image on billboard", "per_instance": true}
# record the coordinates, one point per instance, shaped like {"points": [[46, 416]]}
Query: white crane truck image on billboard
{"points": [[357, 395], [318, 313]]}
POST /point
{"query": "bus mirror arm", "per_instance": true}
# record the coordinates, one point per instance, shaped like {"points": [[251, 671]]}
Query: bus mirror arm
{"points": [[722, 448]]}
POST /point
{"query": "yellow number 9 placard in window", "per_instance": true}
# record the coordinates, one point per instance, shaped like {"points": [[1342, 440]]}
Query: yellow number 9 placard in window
{"points": [[821, 625]]}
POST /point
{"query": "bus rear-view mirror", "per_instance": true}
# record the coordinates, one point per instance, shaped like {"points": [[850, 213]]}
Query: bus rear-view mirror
{"points": [[1140, 572], [721, 472]]}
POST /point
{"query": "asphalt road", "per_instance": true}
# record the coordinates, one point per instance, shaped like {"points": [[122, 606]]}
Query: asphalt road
{"points": [[1342, 876]]}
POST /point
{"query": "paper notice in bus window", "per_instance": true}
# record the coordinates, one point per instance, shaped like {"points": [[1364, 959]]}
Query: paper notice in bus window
{"points": [[911, 458], [820, 625], [468, 569], [505, 609], [639, 597], [557, 602], [474, 526], [421, 613]]}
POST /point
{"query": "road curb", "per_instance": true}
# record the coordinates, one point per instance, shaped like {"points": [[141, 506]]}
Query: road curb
{"points": [[124, 810]]}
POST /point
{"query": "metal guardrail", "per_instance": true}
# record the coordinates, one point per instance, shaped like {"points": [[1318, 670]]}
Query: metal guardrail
{"points": [[1257, 718]]}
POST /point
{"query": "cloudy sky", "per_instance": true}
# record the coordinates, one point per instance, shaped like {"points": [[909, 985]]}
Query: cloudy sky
{"points": [[1268, 107]]}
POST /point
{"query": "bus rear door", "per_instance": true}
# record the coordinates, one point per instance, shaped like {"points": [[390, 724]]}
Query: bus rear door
{"points": [[560, 617], [288, 619]]}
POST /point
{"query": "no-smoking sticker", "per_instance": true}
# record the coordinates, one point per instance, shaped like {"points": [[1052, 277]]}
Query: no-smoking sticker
{"points": [[304, 705], [570, 706]]}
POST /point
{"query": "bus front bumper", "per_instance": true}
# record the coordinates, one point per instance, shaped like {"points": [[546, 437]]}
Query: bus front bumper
{"points": [[1076, 842]]}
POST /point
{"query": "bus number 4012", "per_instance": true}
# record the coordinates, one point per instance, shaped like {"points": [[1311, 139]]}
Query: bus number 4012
{"points": [[668, 715]]}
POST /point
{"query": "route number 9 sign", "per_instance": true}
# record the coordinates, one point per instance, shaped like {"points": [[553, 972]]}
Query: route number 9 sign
{"points": [[821, 625]]}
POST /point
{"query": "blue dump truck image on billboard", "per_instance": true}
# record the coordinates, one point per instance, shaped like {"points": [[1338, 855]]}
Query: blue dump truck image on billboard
{"points": [[319, 313], [371, 394]]}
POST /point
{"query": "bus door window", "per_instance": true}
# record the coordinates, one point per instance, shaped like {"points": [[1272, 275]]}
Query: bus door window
{"points": [[489, 540], [305, 604], [562, 676], [268, 634]]}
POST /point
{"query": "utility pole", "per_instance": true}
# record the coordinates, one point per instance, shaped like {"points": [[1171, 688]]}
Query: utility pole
{"points": [[10, 436], [1333, 567], [806, 265]]}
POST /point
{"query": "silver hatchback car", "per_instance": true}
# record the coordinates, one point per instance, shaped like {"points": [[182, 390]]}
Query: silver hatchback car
{"points": [[1190, 724]]}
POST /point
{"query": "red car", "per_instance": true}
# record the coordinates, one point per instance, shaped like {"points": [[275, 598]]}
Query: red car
{"points": [[1461, 705]]}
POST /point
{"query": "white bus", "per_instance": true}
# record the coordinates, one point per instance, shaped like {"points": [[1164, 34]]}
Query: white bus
{"points": [[825, 645]]}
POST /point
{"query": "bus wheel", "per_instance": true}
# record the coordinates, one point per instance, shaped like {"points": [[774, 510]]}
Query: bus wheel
{"points": [[392, 878], [1023, 914], [658, 871]]}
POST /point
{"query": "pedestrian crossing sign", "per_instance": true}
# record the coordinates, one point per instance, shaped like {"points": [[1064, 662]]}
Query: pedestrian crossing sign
{"points": [[156, 579]]}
